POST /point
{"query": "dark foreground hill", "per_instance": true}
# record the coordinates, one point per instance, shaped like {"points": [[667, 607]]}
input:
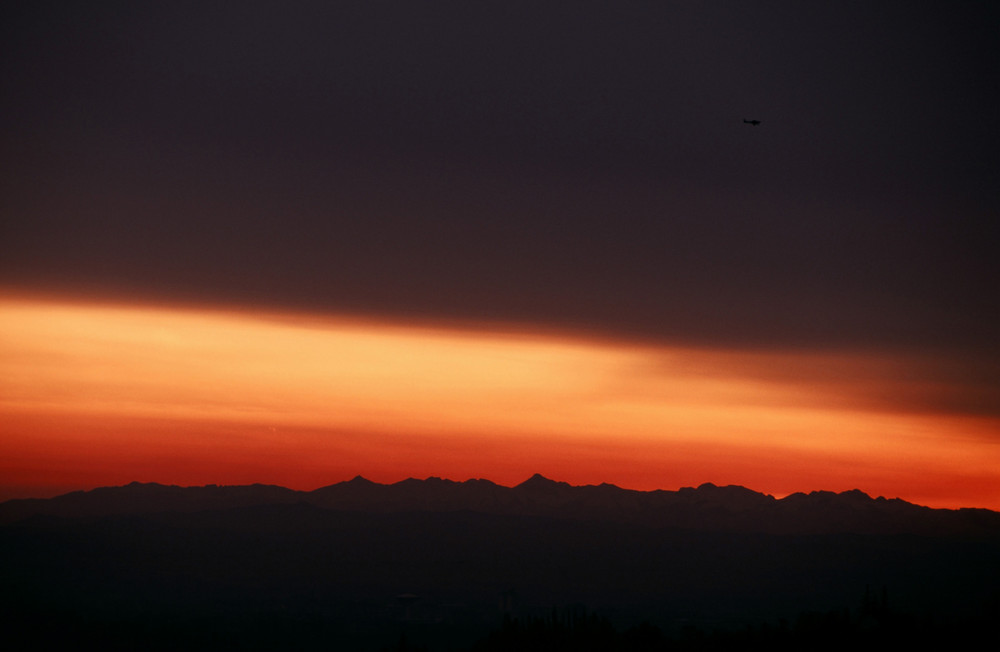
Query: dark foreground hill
{"points": [[358, 564]]}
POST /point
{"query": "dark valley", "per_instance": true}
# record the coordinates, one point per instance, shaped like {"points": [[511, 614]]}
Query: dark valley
{"points": [[442, 565]]}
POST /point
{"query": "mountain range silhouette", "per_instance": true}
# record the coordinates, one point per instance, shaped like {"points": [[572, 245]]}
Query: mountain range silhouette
{"points": [[356, 564], [707, 507]]}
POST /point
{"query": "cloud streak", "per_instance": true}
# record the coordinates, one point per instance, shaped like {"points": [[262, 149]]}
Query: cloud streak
{"points": [[397, 398]]}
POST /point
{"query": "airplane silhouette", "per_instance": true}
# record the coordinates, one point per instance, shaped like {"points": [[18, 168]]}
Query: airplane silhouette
{"points": [[751, 122]]}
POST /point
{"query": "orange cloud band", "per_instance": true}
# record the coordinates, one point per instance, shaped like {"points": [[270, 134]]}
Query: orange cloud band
{"points": [[97, 394]]}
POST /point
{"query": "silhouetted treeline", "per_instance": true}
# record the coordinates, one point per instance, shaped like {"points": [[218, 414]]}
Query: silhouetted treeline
{"points": [[573, 629], [871, 626]]}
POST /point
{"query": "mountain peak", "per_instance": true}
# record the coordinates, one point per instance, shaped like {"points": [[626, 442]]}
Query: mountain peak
{"points": [[857, 495], [538, 480]]}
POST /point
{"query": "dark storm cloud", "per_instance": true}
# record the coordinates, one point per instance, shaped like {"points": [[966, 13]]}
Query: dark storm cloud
{"points": [[580, 164]]}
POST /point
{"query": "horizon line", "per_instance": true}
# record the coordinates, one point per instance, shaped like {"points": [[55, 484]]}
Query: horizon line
{"points": [[535, 477]]}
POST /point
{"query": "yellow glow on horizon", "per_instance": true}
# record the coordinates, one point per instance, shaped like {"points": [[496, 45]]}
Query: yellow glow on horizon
{"points": [[322, 387]]}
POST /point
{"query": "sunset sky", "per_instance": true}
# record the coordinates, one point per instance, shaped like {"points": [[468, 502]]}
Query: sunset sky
{"points": [[296, 242]]}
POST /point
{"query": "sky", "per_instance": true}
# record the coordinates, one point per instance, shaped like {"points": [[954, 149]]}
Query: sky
{"points": [[298, 242]]}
